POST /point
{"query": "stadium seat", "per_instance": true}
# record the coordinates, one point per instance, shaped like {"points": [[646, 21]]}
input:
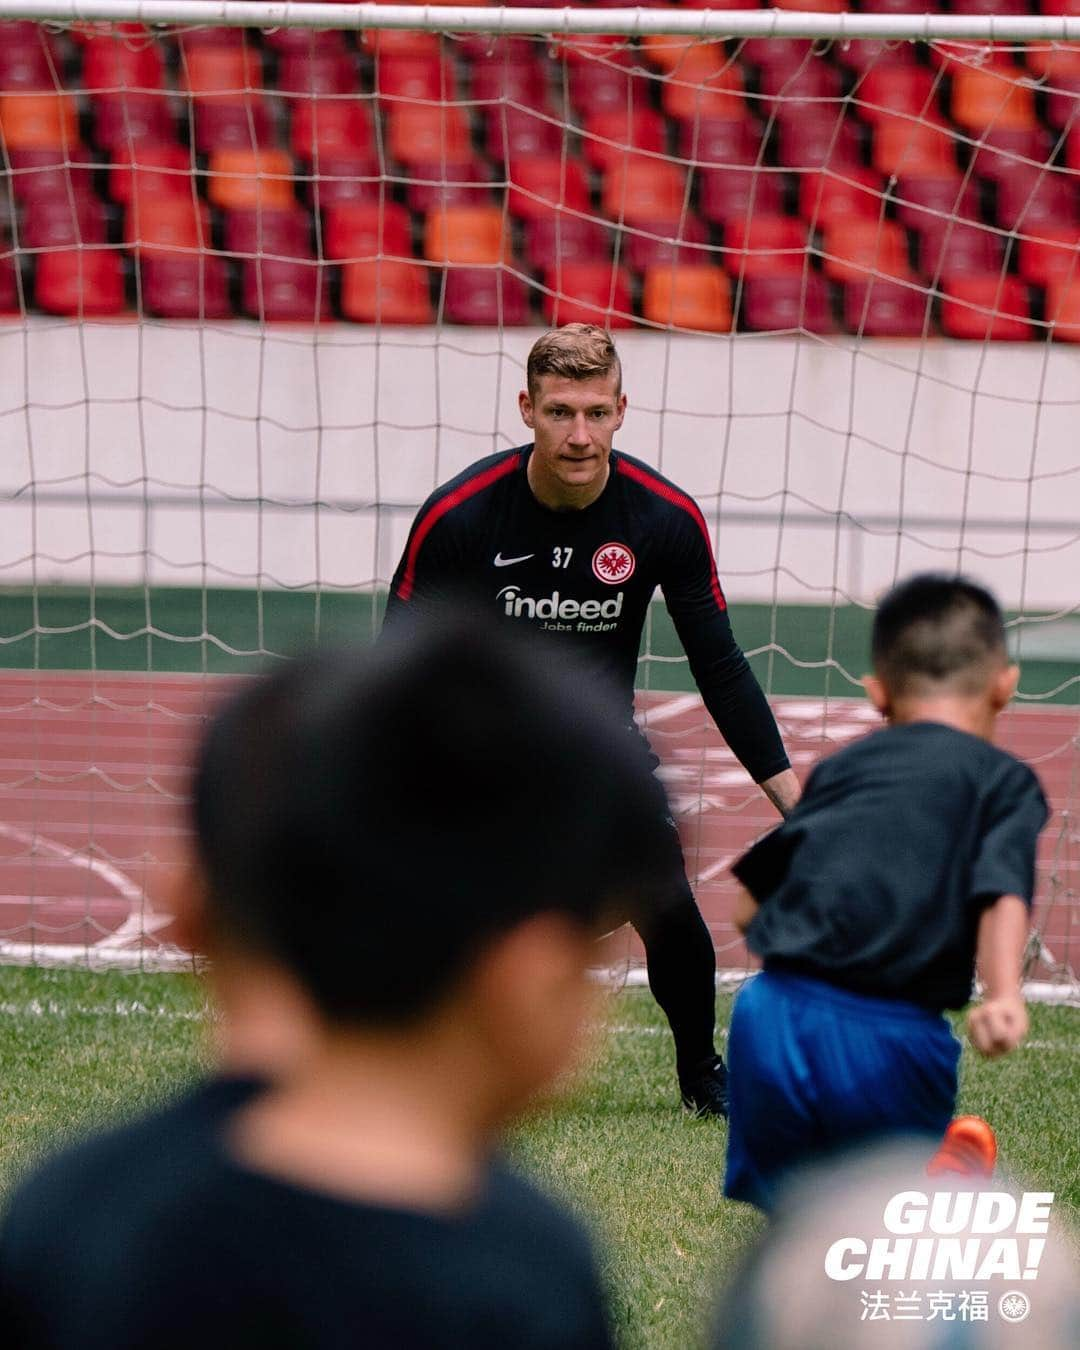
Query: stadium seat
{"points": [[719, 140], [666, 52], [725, 193], [413, 77], [988, 98], [321, 127], [56, 222], [430, 186], [812, 142], [696, 90], [814, 6], [901, 147], [1072, 151], [286, 290], [877, 307], [132, 119], [251, 178], [359, 230], [847, 192], [768, 53], [895, 91], [980, 8], [1051, 259], [600, 88], [520, 80], [79, 282], [214, 71], [644, 189], [855, 249], [109, 63], [318, 74], [665, 243], [485, 295], [344, 177], [9, 285], [539, 186], [1029, 198], [1063, 310], [38, 121], [422, 133], [765, 245], [519, 133], [194, 39], [389, 291], [1049, 63], [898, 6], [152, 170], [1061, 100], [401, 42], [992, 307], [862, 54], [165, 224], [37, 174], [588, 48], [569, 238], [1001, 150], [921, 200], [26, 58], [222, 124], [813, 82], [951, 248], [306, 40], [610, 138], [467, 235], [181, 287], [588, 293], [284, 231], [786, 303]]}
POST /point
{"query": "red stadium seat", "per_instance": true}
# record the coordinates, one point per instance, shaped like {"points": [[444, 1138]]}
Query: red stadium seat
{"points": [[388, 291], [430, 186], [952, 248], [286, 290], [979, 8], [321, 128], [185, 287], [316, 74], [1061, 100], [83, 282], [609, 138], [720, 140], [862, 54], [540, 186], [921, 201], [467, 235], [226, 125], [110, 63], [194, 39], [152, 170], [846, 192], [814, 6], [891, 91], [414, 77], [56, 222], [401, 42], [37, 174], [132, 119], [1051, 259], [569, 238], [899, 6], [588, 293], [814, 142], [764, 245], [518, 133], [9, 286], [26, 61], [769, 53], [665, 243], [855, 249], [421, 133], [787, 303], [490, 296], [727, 193], [1029, 198], [359, 230], [813, 82], [992, 307], [600, 88], [282, 231], [645, 190], [305, 40], [1063, 311], [903, 147], [877, 307], [589, 48], [519, 80], [342, 177]]}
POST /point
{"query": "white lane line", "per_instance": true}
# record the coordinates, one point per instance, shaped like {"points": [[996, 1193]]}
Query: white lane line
{"points": [[714, 869], [664, 712]]}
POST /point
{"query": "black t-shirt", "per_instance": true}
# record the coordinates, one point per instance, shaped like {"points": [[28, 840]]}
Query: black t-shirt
{"points": [[152, 1237], [587, 577], [877, 879]]}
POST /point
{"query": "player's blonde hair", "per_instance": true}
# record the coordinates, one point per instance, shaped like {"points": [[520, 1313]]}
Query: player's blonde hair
{"points": [[577, 351]]}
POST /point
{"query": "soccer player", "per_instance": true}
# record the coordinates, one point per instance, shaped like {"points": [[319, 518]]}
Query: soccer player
{"points": [[359, 857], [571, 537], [910, 856]]}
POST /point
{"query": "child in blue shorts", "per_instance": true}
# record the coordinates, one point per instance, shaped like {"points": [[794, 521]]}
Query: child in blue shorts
{"points": [[910, 857]]}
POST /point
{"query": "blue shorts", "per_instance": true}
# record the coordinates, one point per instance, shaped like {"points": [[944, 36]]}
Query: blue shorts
{"points": [[813, 1069]]}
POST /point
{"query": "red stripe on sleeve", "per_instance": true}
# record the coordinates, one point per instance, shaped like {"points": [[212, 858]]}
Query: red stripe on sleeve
{"points": [[427, 522], [685, 503]]}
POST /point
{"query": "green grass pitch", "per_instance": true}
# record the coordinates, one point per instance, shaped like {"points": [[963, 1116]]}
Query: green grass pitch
{"points": [[80, 1050]]}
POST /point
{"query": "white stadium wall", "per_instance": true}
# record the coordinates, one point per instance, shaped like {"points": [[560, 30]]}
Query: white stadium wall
{"points": [[171, 455]]}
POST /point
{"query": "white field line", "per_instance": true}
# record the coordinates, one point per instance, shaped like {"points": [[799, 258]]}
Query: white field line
{"points": [[664, 712], [36, 1007]]}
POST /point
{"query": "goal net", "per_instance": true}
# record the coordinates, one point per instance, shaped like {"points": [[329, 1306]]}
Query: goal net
{"points": [[263, 287]]}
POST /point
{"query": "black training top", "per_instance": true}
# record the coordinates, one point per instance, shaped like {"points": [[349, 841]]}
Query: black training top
{"points": [[877, 879], [587, 578], [152, 1237]]}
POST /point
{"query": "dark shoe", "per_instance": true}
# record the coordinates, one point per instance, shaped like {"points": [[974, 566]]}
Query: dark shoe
{"points": [[705, 1091]]}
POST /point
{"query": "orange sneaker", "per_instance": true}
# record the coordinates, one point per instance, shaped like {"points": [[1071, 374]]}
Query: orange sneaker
{"points": [[969, 1148]]}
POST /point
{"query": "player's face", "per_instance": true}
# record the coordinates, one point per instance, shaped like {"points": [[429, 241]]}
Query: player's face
{"points": [[573, 422]]}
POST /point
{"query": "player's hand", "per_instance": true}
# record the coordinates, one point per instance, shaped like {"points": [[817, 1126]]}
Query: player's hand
{"points": [[998, 1025]]}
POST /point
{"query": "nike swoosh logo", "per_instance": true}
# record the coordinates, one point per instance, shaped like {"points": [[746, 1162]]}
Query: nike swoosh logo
{"points": [[500, 561]]}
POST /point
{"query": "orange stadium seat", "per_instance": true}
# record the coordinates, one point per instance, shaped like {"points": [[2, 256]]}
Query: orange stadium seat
{"points": [[765, 245], [696, 297], [1063, 310], [253, 178], [388, 291], [552, 238], [666, 243], [539, 186], [845, 192], [421, 133], [981, 308], [360, 230], [184, 287], [726, 193], [414, 77], [132, 119], [879, 307], [588, 293], [38, 121], [286, 290], [401, 42], [209, 72], [695, 89], [485, 295], [166, 224], [1048, 63], [667, 52], [194, 39], [644, 189], [110, 63], [325, 74], [152, 170], [282, 231], [1052, 259], [467, 234], [787, 303], [80, 282], [608, 138], [988, 98], [320, 127], [895, 91], [51, 172], [904, 147], [430, 186], [855, 249]]}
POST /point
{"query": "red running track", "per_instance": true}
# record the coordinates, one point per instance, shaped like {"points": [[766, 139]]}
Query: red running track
{"points": [[93, 779]]}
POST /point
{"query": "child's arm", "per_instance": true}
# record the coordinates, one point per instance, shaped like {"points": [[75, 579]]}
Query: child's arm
{"points": [[1000, 1022], [745, 908]]}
